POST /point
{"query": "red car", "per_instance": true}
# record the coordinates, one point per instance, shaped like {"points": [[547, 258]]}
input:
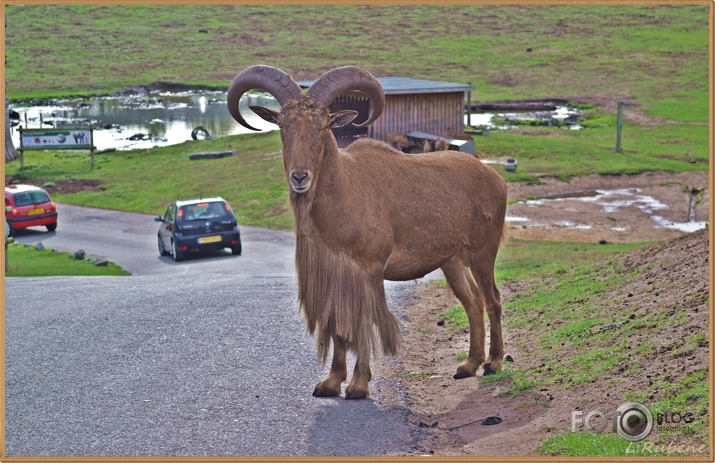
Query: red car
{"points": [[28, 206]]}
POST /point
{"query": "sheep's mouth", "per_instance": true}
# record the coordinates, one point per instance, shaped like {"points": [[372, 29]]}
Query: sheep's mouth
{"points": [[300, 188]]}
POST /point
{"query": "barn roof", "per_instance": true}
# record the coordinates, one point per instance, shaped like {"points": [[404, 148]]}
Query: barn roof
{"points": [[406, 85]]}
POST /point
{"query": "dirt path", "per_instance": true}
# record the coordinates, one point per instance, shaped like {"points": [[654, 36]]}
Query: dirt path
{"points": [[451, 409]]}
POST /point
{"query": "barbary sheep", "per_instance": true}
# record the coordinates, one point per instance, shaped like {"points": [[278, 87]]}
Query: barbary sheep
{"points": [[441, 145], [368, 213], [426, 146], [399, 141]]}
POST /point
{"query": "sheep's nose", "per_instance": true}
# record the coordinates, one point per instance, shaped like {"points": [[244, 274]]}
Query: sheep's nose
{"points": [[299, 177]]}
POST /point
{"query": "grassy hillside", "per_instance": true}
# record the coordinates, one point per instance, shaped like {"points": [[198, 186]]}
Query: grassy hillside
{"points": [[653, 55], [589, 327]]}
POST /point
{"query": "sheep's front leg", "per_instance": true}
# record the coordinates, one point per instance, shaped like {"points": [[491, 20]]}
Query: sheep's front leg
{"points": [[358, 387], [331, 385]]}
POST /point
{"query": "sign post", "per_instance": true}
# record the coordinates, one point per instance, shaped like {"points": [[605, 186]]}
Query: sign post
{"points": [[68, 138]]}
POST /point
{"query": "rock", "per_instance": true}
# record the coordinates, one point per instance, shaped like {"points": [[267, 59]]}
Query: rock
{"points": [[39, 246], [80, 255], [101, 262]]}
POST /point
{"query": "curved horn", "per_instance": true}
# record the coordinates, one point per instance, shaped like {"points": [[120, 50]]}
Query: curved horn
{"points": [[340, 80], [273, 80]]}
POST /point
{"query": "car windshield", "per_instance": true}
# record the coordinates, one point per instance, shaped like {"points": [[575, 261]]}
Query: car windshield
{"points": [[26, 198], [203, 211]]}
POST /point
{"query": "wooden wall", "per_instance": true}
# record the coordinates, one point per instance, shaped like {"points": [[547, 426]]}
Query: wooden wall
{"points": [[436, 113]]}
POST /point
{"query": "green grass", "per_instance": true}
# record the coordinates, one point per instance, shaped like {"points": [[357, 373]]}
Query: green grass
{"points": [[578, 335], [656, 54], [586, 444], [456, 316], [563, 305], [564, 153], [690, 394], [517, 382], [30, 262]]}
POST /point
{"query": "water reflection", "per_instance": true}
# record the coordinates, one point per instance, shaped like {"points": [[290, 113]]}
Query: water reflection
{"points": [[154, 119]]}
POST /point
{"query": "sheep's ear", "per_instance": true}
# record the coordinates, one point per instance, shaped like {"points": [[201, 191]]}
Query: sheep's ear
{"points": [[265, 114], [342, 118]]}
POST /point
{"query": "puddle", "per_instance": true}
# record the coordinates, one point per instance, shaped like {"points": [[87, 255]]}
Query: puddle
{"points": [[563, 116], [146, 120], [613, 201]]}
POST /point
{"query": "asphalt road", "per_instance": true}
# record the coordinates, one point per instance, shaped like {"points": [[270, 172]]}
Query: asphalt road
{"points": [[203, 357]]}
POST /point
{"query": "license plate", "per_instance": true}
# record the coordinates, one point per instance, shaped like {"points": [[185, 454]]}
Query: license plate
{"points": [[209, 239], [39, 210]]}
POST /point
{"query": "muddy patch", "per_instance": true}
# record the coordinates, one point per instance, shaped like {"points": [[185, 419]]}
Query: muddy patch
{"points": [[647, 207]]}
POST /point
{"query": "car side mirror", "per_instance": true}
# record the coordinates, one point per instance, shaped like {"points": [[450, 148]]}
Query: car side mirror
{"points": [[158, 218]]}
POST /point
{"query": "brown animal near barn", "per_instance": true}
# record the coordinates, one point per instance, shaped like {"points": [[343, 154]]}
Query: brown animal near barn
{"points": [[399, 141], [368, 213], [426, 146], [441, 145]]}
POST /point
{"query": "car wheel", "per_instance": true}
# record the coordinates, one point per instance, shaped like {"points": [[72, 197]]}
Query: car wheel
{"points": [[8, 230], [178, 255], [162, 251], [236, 250], [51, 227]]}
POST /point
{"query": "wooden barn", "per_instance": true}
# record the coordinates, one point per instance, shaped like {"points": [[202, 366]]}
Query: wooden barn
{"points": [[411, 105]]}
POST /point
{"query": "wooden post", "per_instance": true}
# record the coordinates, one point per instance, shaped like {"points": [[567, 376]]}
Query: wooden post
{"points": [[469, 105], [619, 126], [21, 150], [91, 143]]}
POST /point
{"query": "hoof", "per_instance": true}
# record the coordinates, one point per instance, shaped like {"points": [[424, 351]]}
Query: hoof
{"points": [[318, 393], [466, 369], [488, 370], [356, 393], [325, 392]]}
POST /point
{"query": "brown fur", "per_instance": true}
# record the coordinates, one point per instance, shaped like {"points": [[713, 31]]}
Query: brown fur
{"points": [[369, 213], [441, 145]]}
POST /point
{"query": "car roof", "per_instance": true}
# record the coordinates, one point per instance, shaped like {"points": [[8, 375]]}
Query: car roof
{"points": [[19, 188], [188, 202]]}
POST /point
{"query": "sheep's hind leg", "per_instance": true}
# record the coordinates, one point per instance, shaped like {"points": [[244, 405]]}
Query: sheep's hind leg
{"points": [[331, 385], [460, 279], [485, 274], [358, 387]]}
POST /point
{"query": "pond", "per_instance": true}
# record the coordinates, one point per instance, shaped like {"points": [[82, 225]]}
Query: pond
{"points": [[146, 120], [167, 118]]}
